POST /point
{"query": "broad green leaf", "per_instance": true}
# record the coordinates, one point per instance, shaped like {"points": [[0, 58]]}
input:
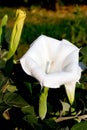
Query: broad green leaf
{"points": [[14, 99], [30, 115], [80, 126], [16, 33], [32, 120], [28, 110]]}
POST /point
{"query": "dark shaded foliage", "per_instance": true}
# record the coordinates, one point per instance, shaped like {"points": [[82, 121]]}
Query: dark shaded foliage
{"points": [[21, 105], [11, 3], [48, 4], [68, 2]]}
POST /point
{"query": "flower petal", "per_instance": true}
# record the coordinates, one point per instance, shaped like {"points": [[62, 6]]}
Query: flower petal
{"points": [[52, 62], [32, 68], [70, 90], [70, 72]]}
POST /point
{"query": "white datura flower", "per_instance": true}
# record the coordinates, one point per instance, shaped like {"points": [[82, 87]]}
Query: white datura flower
{"points": [[53, 63]]}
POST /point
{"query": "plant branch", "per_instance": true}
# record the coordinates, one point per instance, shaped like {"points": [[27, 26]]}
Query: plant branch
{"points": [[60, 119]]}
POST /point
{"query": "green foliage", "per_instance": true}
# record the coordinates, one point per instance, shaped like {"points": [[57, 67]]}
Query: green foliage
{"points": [[30, 116], [20, 94], [72, 29], [58, 30], [78, 28], [2, 28], [9, 95], [80, 126], [84, 54], [16, 33], [84, 51]]}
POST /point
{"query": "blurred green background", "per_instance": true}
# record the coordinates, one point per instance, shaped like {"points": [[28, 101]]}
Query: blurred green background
{"points": [[60, 19], [56, 18]]}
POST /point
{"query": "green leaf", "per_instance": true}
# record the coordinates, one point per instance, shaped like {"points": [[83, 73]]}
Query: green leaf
{"points": [[80, 126], [11, 88], [28, 110], [14, 99], [30, 115], [32, 120]]}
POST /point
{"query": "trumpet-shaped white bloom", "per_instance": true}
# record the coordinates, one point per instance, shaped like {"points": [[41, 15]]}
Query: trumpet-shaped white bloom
{"points": [[53, 63]]}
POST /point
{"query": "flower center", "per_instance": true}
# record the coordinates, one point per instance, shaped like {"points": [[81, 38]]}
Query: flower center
{"points": [[50, 66]]}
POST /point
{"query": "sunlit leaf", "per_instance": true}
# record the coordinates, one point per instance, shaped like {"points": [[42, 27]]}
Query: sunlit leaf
{"points": [[11, 88]]}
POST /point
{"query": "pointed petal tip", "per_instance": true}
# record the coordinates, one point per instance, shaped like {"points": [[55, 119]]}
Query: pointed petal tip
{"points": [[70, 90]]}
